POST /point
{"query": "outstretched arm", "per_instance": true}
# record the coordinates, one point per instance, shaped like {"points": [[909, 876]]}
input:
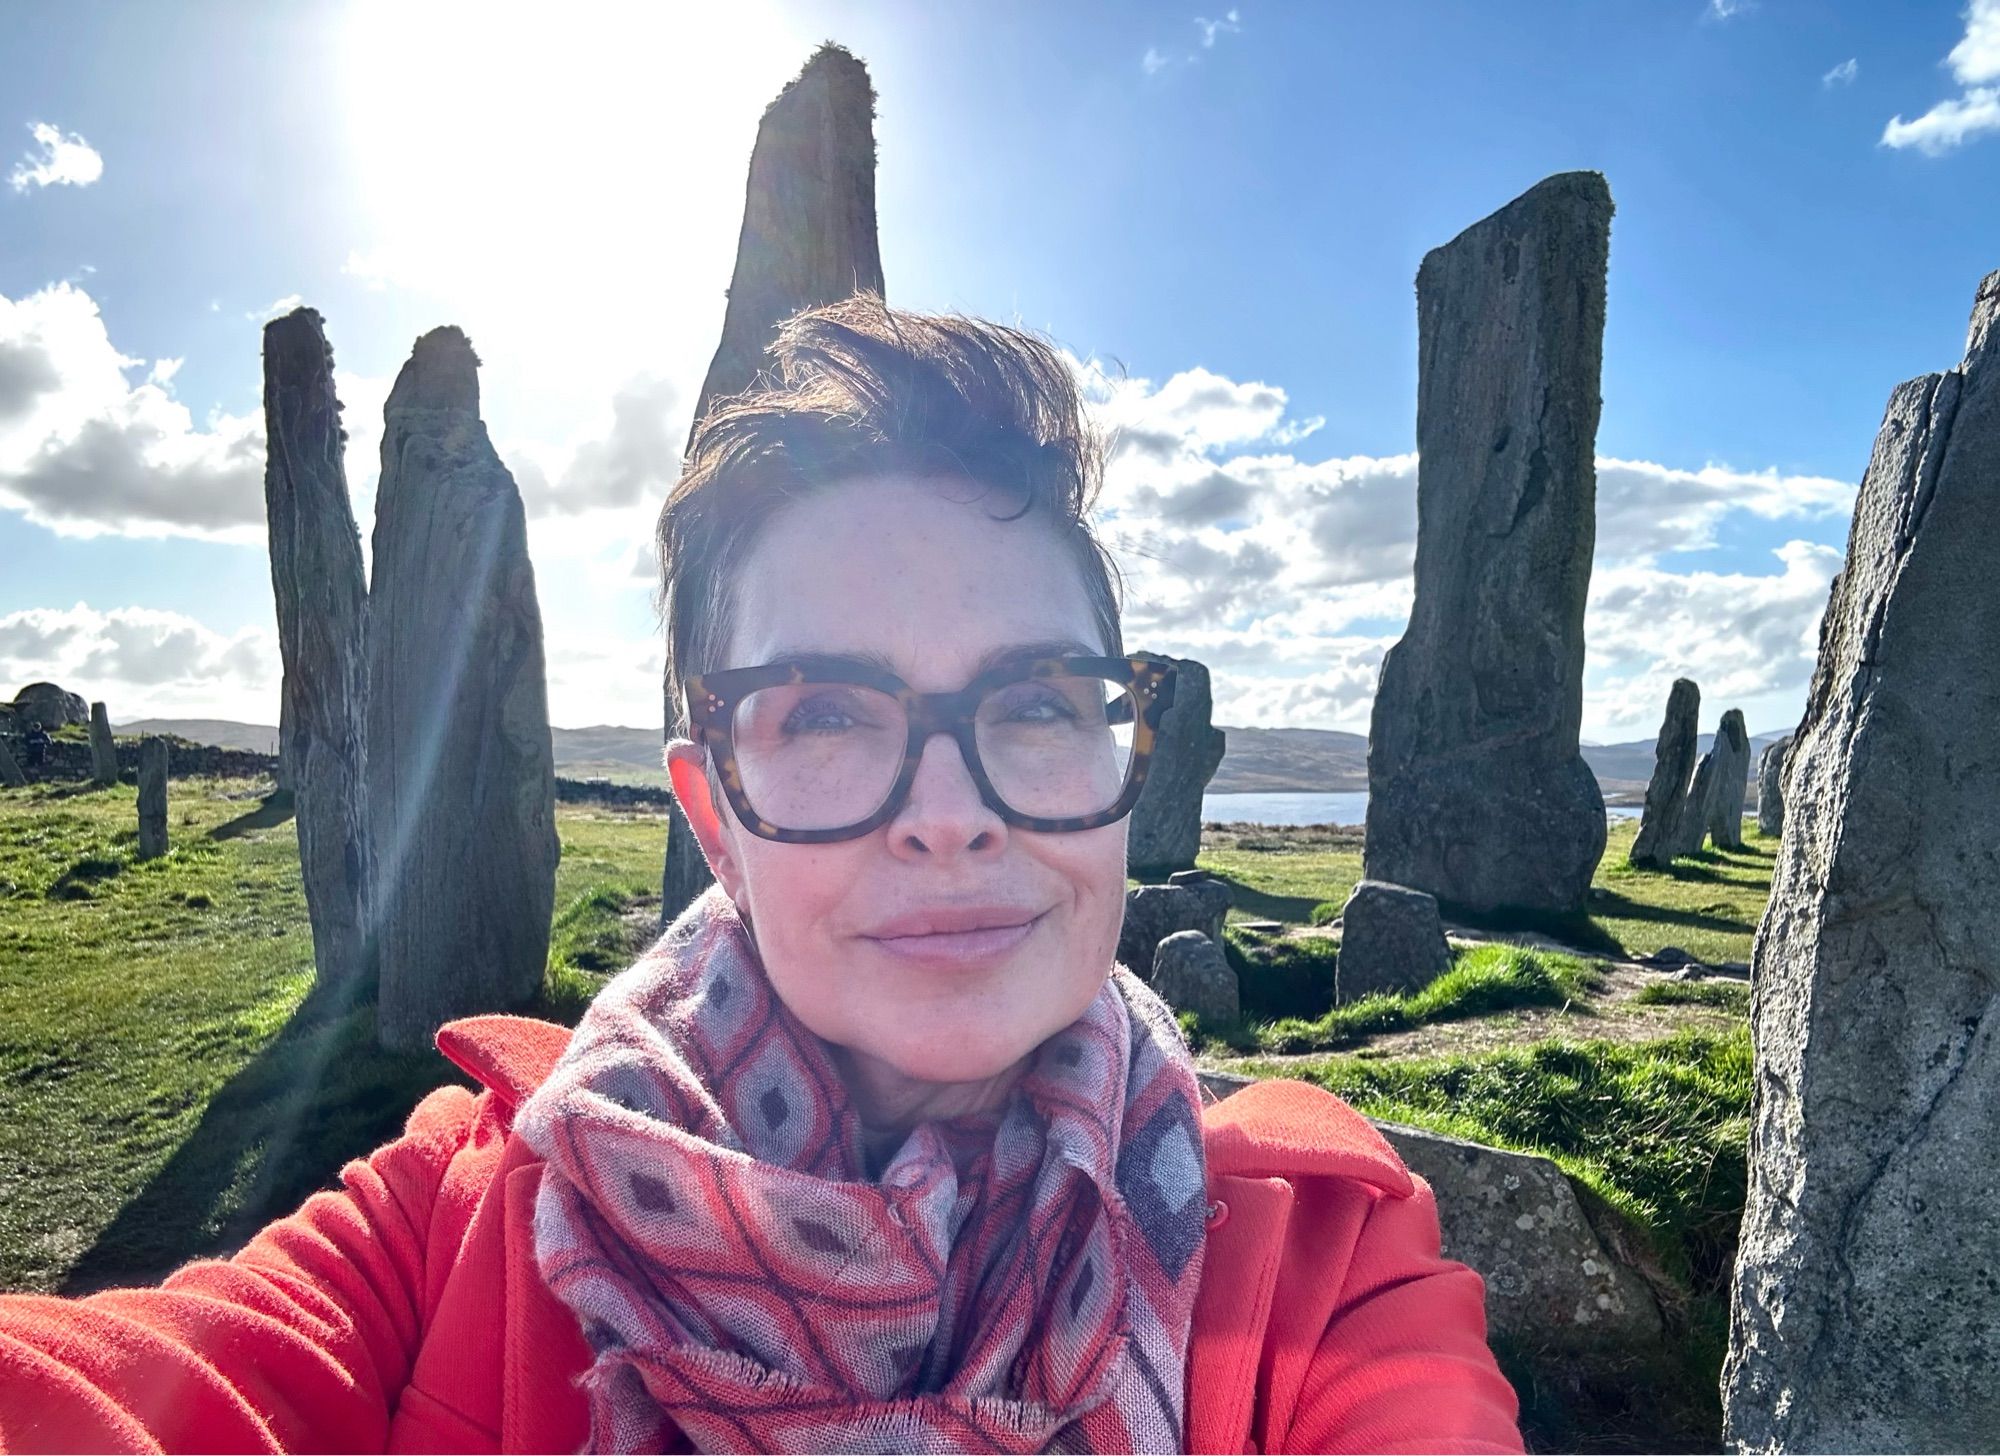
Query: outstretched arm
{"points": [[301, 1342]]}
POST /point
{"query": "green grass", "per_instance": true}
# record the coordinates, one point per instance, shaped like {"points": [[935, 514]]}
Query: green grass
{"points": [[1483, 980], [1723, 995], [170, 1076], [1659, 1132], [1708, 905]]}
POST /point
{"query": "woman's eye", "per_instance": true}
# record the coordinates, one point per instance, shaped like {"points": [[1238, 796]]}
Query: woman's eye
{"points": [[1040, 709], [819, 715]]}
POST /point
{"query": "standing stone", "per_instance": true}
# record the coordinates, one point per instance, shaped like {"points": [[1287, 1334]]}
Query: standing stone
{"points": [[1692, 830], [461, 782], [10, 770], [1477, 792], [1191, 973], [808, 238], [1666, 794], [1166, 822], [103, 750], [1732, 781], [1154, 912], [321, 598], [1867, 1295], [1391, 939], [1771, 789], [152, 798]]}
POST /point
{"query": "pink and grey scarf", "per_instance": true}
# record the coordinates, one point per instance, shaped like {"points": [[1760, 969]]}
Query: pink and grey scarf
{"points": [[1022, 1281]]}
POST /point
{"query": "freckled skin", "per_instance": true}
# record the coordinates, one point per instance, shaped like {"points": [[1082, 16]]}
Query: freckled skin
{"points": [[918, 571]]}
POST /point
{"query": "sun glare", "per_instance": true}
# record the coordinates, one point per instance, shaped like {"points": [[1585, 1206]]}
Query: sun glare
{"points": [[570, 177]]}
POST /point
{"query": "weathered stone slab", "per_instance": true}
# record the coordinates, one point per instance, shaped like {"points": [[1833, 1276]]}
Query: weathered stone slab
{"points": [[1154, 912], [50, 706], [461, 783], [1771, 788], [1866, 1308], [1192, 974], [1731, 782], [103, 748], [321, 597], [1391, 939], [1666, 794], [1552, 1284], [1478, 793], [10, 770], [152, 798], [808, 238], [1165, 832]]}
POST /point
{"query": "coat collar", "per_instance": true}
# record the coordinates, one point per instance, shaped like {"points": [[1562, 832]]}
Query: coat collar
{"points": [[1267, 1130]]}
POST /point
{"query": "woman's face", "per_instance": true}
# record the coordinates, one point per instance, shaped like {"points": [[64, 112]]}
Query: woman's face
{"points": [[916, 575]]}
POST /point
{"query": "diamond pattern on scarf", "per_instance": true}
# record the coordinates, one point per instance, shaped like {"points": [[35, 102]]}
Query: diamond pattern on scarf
{"points": [[1014, 1281]]}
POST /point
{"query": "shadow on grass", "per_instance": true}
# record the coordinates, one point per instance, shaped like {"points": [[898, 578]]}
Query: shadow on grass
{"points": [[319, 1094], [270, 812], [1258, 905], [1610, 902]]}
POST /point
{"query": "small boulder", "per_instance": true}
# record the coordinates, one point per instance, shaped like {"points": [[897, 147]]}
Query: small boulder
{"points": [[1154, 912], [1391, 939], [50, 706], [1191, 973]]}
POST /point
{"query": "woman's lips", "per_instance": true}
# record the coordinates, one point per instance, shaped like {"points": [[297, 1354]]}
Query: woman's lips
{"points": [[958, 948]]}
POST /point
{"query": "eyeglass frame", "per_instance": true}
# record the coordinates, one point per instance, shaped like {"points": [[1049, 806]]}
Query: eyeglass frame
{"points": [[712, 698]]}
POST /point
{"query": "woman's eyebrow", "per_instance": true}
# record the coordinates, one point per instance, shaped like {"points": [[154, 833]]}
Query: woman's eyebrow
{"points": [[999, 656]]}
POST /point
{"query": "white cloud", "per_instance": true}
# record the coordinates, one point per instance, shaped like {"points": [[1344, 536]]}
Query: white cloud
{"points": [[1974, 62], [56, 158], [1291, 576], [1724, 9], [85, 452], [1842, 74], [1231, 24], [143, 663], [275, 308], [637, 459], [1152, 63]]}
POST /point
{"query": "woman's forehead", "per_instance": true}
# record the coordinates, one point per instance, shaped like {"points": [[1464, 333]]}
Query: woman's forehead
{"points": [[910, 579]]}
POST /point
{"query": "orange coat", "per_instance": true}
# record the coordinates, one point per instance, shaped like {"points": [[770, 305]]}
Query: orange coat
{"points": [[404, 1312]]}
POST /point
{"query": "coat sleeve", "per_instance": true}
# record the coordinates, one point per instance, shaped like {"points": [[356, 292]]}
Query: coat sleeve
{"points": [[1404, 1364], [301, 1342]]}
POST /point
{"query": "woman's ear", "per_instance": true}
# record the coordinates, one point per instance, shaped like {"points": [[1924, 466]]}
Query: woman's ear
{"points": [[687, 764]]}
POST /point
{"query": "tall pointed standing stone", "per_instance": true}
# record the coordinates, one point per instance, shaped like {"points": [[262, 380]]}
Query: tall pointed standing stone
{"points": [[1666, 794], [321, 598], [1477, 792], [1771, 788], [103, 748], [1732, 781], [152, 798], [808, 238], [461, 781], [1867, 1292], [1165, 833]]}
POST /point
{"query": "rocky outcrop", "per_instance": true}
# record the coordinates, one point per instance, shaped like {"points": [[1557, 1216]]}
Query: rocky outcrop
{"points": [[1391, 939], [1165, 832], [461, 783], [50, 706], [1771, 788], [1477, 791], [1731, 783], [808, 238], [1866, 1308], [1667, 792], [103, 748], [321, 597], [1195, 901], [1191, 973], [152, 798]]}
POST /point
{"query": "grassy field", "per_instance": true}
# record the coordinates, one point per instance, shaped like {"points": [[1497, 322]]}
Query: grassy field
{"points": [[170, 1078]]}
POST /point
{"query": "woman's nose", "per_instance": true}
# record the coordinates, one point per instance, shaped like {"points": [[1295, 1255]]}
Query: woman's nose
{"points": [[944, 814]]}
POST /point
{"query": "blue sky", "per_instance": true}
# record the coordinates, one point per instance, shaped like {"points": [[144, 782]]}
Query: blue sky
{"points": [[1219, 210]]}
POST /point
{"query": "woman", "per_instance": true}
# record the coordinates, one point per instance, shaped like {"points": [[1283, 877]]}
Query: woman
{"points": [[877, 1149]]}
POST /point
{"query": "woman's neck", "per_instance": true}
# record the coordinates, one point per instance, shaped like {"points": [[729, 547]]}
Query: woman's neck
{"points": [[890, 1103]]}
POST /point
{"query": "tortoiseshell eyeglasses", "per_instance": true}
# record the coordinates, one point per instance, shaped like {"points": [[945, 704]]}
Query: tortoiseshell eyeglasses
{"points": [[812, 751]]}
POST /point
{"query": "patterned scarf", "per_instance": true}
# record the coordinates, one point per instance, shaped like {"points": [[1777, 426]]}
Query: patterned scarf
{"points": [[1020, 1281]]}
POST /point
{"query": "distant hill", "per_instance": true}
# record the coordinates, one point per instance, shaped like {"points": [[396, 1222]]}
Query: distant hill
{"points": [[1258, 760]]}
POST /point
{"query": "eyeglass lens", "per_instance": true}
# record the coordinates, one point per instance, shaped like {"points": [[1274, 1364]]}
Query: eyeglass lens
{"points": [[827, 755]]}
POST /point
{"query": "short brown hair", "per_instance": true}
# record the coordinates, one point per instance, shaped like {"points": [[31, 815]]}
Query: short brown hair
{"points": [[859, 388]]}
